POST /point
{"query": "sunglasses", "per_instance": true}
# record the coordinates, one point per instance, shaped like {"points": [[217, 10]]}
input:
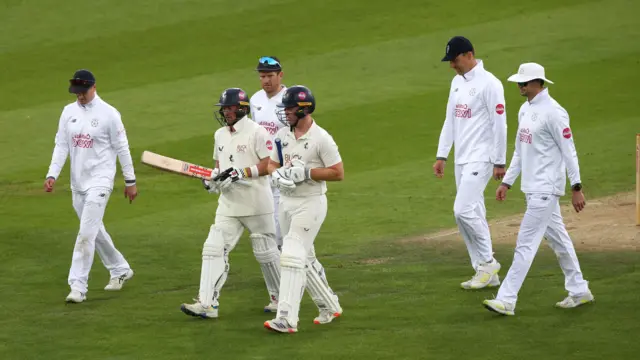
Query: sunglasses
{"points": [[81, 82], [268, 60]]}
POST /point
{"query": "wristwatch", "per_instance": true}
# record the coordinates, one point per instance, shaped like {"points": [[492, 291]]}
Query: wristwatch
{"points": [[576, 187]]}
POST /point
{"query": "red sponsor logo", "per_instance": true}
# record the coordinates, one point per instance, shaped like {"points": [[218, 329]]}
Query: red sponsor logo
{"points": [[566, 133], [269, 145], [199, 170], [302, 95], [82, 141], [241, 95], [525, 136], [463, 111], [500, 109]]}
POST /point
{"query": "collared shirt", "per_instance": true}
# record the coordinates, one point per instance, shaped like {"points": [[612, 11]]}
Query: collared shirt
{"points": [[92, 135], [243, 147], [316, 149], [263, 110], [476, 119], [545, 150]]}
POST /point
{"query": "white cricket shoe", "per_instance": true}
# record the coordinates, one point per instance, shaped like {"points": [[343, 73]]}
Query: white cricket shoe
{"points": [[116, 283], [486, 276], [280, 325], [198, 310], [75, 296], [272, 307], [575, 301], [326, 316], [499, 306]]}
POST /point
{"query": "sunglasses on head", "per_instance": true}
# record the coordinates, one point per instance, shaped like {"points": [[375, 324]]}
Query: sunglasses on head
{"points": [[81, 82], [268, 60]]}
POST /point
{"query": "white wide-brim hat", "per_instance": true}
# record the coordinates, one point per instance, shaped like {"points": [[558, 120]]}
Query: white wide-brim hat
{"points": [[528, 72]]}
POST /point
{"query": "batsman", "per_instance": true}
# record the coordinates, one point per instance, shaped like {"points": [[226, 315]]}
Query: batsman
{"points": [[242, 149]]}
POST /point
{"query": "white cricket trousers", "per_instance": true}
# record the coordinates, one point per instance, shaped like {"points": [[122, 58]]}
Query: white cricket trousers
{"points": [[542, 218], [470, 212], [92, 236]]}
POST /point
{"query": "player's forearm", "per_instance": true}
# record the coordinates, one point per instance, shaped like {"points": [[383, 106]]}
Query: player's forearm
{"points": [[500, 141], [326, 174], [514, 169], [59, 157], [126, 164], [446, 140]]}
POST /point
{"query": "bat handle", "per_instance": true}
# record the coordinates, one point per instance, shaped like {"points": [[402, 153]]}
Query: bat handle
{"points": [[279, 148]]}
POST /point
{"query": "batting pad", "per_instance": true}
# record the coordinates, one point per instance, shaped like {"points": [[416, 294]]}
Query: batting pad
{"points": [[319, 289], [267, 254], [213, 265], [293, 281]]}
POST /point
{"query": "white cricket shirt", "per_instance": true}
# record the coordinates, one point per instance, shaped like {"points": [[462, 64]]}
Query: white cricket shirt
{"points": [[545, 150], [476, 119], [316, 148], [92, 135], [263, 110], [242, 147]]}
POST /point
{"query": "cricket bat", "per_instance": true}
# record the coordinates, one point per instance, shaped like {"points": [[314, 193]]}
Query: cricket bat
{"points": [[279, 149], [180, 167]]}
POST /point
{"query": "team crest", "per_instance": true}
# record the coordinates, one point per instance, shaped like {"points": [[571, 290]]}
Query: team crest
{"points": [[242, 95], [302, 95], [94, 122]]}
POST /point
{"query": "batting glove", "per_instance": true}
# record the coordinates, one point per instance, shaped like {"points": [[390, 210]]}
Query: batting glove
{"points": [[210, 185], [237, 174], [280, 180], [298, 172]]}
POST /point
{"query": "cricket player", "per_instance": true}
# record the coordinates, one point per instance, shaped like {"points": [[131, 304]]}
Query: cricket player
{"points": [[305, 158], [241, 155], [91, 133], [544, 153], [263, 111], [475, 122]]}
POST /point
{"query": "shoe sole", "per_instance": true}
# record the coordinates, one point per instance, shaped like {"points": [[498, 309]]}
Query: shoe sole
{"points": [[491, 308], [191, 313], [289, 330]]}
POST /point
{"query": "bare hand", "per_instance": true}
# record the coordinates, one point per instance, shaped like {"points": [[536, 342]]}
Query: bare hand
{"points": [[130, 192], [501, 193], [498, 173], [578, 201], [438, 168], [48, 184]]}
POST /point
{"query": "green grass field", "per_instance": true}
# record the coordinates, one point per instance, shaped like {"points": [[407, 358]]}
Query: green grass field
{"points": [[374, 67]]}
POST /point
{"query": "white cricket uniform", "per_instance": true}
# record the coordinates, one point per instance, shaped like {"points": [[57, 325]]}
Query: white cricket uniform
{"points": [[476, 123], [250, 207], [263, 112], [544, 152], [92, 135], [302, 213]]}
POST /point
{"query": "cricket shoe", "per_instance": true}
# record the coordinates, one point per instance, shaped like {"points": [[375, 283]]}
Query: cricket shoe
{"points": [[280, 325], [198, 310], [575, 301], [326, 316], [75, 296], [499, 306], [272, 307], [116, 283], [486, 276]]}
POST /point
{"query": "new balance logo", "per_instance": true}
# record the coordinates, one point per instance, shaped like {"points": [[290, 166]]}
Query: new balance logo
{"points": [[306, 229], [284, 144], [475, 173], [220, 148]]}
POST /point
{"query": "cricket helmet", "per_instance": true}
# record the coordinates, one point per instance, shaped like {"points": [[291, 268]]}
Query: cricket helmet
{"points": [[231, 97]]}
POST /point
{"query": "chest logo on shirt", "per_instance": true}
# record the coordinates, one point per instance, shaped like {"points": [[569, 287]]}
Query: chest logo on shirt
{"points": [[241, 148], [231, 158], [306, 145], [258, 108], [500, 109], [288, 158], [94, 122], [525, 136], [73, 120], [534, 116], [566, 133], [284, 144], [472, 92], [463, 111], [82, 141], [220, 148]]}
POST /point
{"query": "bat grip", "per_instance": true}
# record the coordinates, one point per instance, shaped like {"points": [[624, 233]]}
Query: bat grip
{"points": [[279, 148]]}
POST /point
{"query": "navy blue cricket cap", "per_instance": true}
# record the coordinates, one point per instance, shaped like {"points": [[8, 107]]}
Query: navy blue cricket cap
{"points": [[82, 81], [456, 46]]}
